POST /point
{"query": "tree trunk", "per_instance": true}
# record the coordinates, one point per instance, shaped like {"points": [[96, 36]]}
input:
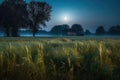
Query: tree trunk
{"points": [[33, 34], [34, 30], [14, 32]]}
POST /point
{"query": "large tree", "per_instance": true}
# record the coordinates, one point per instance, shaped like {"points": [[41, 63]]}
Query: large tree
{"points": [[13, 15], [39, 13], [100, 30], [78, 29], [59, 29], [114, 30]]}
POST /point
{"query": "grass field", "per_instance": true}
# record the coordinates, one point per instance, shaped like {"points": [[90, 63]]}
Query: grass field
{"points": [[59, 59]]}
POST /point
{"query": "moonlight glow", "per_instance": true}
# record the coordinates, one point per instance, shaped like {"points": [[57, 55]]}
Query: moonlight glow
{"points": [[65, 18]]}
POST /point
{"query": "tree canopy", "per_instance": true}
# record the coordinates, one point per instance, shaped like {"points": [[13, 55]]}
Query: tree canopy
{"points": [[59, 29], [100, 30], [13, 15], [77, 28], [114, 30], [65, 29], [39, 13]]}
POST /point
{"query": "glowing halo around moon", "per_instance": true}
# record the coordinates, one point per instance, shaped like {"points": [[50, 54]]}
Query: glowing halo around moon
{"points": [[65, 18]]}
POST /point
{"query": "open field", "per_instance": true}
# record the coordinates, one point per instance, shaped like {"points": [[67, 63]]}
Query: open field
{"points": [[60, 58]]}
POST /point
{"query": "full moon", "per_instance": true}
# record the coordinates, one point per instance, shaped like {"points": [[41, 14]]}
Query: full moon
{"points": [[65, 18]]}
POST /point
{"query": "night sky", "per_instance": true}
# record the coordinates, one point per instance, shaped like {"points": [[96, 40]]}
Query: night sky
{"points": [[89, 13]]}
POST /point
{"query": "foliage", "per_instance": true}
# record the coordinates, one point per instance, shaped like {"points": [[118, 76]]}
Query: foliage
{"points": [[64, 29], [114, 30], [77, 28], [13, 15], [59, 29], [100, 30], [39, 13], [87, 32]]}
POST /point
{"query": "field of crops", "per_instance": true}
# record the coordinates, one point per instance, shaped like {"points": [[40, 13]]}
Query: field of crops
{"points": [[59, 59]]}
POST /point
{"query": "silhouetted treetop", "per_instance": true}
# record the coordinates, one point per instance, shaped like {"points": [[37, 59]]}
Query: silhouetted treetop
{"points": [[87, 31], [100, 30], [13, 15], [77, 28], [114, 30], [39, 13], [59, 29]]}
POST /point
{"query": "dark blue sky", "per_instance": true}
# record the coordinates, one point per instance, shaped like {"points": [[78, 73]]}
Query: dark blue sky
{"points": [[88, 13]]}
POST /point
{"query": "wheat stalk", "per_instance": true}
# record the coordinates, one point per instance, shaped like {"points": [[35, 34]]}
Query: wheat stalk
{"points": [[28, 56], [100, 51]]}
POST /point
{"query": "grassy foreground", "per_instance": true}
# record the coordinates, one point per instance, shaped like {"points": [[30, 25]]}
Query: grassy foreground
{"points": [[59, 59]]}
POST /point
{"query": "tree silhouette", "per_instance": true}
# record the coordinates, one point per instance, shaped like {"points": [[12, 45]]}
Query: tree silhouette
{"points": [[59, 29], [114, 30], [100, 30], [13, 15], [77, 28], [87, 31], [56, 29], [65, 27], [39, 13]]}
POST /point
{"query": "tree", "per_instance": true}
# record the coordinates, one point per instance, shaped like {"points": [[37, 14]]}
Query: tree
{"points": [[87, 31], [39, 13], [59, 29], [65, 27], [114, 30], [100, 30], [77, 28], [13, 15]]}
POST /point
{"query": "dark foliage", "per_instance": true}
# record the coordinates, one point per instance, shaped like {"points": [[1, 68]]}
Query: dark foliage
{"points": [[87, 32], [13, 15], [59, 29], [114, 30], [39, 13], [100, 30], [77, 28]]}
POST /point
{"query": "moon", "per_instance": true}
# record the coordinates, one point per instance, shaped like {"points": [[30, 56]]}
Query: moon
{"points": [[65, 18]]}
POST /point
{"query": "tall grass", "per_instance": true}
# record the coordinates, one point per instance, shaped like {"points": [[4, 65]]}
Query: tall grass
{"points": [[60, 59]]}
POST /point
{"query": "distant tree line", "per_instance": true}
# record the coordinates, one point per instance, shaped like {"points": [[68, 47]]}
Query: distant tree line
{"points": [[114, 30], [15, 14], [77, 30]]}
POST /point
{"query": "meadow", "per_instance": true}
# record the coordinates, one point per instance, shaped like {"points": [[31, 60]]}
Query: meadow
{"points": [[59, 58]]}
